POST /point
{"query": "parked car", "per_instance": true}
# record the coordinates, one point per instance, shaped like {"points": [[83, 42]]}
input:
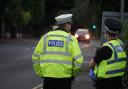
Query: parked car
{"points": [[83, 35]]}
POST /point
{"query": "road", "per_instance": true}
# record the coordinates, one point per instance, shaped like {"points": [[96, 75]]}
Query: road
{"points": [[16, 71]]}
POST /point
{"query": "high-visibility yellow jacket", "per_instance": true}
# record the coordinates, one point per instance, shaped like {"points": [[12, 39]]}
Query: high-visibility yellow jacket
{"points": [[116, 65], [57, 55]]}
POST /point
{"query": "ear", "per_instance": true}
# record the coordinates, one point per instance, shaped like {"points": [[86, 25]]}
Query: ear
{"points": [[65, 25]]}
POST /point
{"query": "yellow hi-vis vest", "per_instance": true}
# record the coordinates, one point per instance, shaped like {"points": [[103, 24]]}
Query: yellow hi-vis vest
{"points": [[116, 65], [57, 55]]}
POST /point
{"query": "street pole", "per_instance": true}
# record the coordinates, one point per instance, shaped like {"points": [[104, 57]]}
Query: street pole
{"points": [[122, 9]]}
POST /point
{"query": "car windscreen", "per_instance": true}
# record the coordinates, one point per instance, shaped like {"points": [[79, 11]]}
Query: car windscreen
{"points": [[82, 32]]}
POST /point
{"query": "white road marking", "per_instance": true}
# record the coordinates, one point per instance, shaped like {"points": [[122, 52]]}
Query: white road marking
{"points": [[76, 80], [38, 86], [26, 49]]}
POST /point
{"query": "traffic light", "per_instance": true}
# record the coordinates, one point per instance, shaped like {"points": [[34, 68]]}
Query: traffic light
{"points": [[94, 26]]}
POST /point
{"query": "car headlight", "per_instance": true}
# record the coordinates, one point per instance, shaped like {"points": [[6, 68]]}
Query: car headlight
{"points": [[76, 35], [87, 36]]}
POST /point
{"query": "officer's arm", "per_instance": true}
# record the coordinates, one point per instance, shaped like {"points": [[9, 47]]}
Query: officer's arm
{"points": [[36, 57], [104, 53], [77, 56], [92, 64]]}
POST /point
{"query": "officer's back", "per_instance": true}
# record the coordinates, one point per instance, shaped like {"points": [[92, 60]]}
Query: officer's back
{"points": [[57, 57]]}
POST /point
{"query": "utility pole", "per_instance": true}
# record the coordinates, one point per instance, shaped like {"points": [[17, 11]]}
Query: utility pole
{"points": [[122, 9]]}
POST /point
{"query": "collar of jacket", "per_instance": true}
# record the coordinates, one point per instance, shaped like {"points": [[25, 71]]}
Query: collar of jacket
{"points": [[61, 29], [113, 39]]}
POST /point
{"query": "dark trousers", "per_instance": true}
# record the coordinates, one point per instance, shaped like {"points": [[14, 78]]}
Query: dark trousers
{"points": [[111, 83], [57, 83]]}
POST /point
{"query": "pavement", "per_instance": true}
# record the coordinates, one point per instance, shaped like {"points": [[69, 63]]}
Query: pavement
{"points": [[6, 41]]}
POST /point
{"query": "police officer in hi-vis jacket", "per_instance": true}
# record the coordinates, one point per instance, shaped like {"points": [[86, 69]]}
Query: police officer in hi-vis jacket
{"points": [[109, 63], [57, 57]]}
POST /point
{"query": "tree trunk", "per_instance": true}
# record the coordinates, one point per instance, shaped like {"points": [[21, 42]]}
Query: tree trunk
{"points": [[3, 29]]}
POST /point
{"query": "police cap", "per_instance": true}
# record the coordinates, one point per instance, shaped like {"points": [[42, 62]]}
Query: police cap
{"points": [[64, 18], [112, 26]]}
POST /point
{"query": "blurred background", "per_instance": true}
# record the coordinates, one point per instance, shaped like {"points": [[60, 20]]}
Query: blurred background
{"points": [[33, 18], [23, 22]]}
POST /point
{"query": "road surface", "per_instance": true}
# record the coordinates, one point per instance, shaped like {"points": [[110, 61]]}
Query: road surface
{"points": [[16, 71]]}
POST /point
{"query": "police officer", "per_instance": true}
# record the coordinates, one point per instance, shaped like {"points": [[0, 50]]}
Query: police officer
{"points": [[57, 57], [109, 62]]}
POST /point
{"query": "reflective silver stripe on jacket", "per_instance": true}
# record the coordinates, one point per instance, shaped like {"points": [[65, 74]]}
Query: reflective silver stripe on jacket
{"points": [[78, 65], [55, 61], [77, 57], [56, 52], [115, 71], [36, 61], [58, 35], [36, 55], [44, 44], [67, 43], [118, 60]]}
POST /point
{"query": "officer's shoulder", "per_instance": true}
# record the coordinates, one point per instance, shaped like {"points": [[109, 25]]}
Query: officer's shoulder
{"points": [[57, 32], [50, 32], [106, 43], [73, 38], [46, 34]]}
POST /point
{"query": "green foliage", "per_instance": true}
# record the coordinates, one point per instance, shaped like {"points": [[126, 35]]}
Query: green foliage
{"points": [[125, 82], [21, 12], [3, 8], [42, 12], [111, 5], [37, 11], [25, 17], [81, 12], [124, 37], [124, 34], [126, 5], [53, 7]]}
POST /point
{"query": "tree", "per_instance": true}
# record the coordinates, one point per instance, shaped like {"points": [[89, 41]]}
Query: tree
{"points": [[3, 15], [81, 12], [19, 13], [110, 5], [53, 7]]}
